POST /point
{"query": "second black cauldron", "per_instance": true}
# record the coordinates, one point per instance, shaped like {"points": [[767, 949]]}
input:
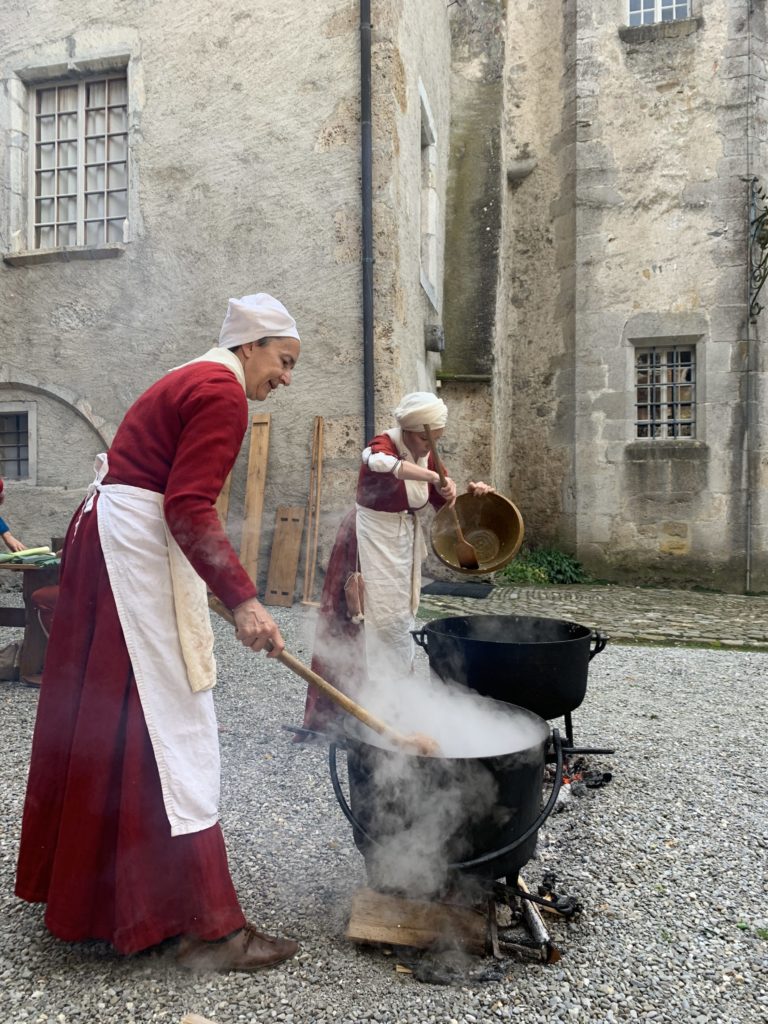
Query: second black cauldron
{"points": [[536, 663]]}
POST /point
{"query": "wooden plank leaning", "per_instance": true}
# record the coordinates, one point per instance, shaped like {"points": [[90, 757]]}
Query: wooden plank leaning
{"points": [[222, 502], [313, 511], [254, 493], [284, 560]]}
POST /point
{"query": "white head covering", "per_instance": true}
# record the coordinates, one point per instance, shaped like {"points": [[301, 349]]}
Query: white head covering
{"points": [[254, 317], [421, 407]]}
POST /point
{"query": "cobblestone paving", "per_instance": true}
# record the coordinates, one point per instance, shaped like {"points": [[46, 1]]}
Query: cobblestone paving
{"points": [[628, 614]]}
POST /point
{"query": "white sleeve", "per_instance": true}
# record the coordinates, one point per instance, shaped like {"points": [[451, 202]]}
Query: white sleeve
{"points": [[380, 462]]}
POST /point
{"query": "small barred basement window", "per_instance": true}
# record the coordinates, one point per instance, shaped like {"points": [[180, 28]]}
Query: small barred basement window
{"points": [[14, 445], [79, 173], [665, 381], [649, 12]]}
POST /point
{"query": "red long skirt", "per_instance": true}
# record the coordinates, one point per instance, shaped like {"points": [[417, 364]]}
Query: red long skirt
{"points": [[96, 845]]}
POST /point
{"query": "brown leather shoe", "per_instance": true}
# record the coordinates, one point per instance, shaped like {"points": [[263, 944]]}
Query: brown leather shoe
{"points": [[246, 950]]}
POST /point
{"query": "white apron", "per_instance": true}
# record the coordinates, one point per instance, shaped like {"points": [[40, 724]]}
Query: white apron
{"points": [[163, 609]]}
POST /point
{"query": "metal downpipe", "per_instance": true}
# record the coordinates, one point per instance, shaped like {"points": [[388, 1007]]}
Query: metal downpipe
{"points": [[366, 165]]}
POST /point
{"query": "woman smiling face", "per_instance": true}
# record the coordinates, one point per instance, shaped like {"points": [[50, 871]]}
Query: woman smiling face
{"points": [[268, 363]]}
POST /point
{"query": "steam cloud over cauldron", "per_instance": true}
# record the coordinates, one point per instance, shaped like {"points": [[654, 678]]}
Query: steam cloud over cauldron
{"points": [[418, 817]]}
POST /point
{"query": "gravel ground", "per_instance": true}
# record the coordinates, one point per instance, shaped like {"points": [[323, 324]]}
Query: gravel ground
{"points": [[668, 862]]}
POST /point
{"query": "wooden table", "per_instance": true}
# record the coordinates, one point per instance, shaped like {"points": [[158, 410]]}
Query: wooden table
{"points": [[34, 642]]}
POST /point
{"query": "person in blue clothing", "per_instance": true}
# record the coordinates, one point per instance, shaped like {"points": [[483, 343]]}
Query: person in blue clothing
{"points": [[5, 531]]}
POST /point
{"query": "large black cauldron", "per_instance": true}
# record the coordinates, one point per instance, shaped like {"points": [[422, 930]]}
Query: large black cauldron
{"points": [[538, 664], [421, 821]]}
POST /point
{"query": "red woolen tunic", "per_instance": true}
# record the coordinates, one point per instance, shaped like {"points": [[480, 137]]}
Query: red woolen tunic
{"points": [[383, 491], [96, 844]]}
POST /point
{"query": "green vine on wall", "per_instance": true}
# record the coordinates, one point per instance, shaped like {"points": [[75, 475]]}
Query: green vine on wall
{"points": [[758, 246]]}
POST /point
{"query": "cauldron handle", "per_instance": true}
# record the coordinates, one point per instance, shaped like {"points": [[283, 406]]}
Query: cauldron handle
{"points": [[420, 636], [348, 813], [599, 640], [535, 826]]}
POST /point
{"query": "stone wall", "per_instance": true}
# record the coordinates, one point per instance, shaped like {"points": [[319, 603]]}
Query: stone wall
{"points": [[411, 59], [660, 261], [245, 176], [473, 238], [640, 140], [533, 439], [751, 23]]}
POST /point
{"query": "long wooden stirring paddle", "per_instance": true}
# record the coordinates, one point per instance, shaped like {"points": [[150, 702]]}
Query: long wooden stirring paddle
{"points": [[415, 743], [465, 553]]}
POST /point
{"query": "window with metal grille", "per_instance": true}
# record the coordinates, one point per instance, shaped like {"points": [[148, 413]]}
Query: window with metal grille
{"points": [[14, 445], [665, 384], [648, 12], [79, 162]]}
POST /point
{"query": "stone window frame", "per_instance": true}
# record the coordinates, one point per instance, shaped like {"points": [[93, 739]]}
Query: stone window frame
{"points": [[429, 200], [674, 394], [30, 410], [636, 35], [16, 126], [660, 330], [70, 201]]}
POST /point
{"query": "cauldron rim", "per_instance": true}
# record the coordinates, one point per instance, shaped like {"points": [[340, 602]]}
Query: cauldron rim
{"points": [[583, 633], [353, 729]]}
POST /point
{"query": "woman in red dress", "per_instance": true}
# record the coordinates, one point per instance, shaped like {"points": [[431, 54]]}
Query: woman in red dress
{"points": [[120, 834], [383, 539]]}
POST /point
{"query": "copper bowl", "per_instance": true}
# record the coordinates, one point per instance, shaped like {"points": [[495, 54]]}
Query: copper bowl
{"points": [[491, 523]]}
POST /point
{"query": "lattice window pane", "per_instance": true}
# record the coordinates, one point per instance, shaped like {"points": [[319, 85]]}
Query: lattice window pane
{"points": [[46, 211], [68, 182], [67, 210], [665, 392], [118, 147], [118, 92], [81, 134], [67, 99], [46, 101], [117, 204], [117, 119], [94, 204], [46, 129], [45, 156], [96, 95], [95, 123], [95, 177], [118, 175], [95, 150], [68, 154], [45, 238], [94, 232], [67, 128], [66, 234], [46, 183]]}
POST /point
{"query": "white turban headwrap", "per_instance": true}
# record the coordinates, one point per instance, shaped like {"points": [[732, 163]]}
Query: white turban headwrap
{"points": [[421, 407], [254, 317]]}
